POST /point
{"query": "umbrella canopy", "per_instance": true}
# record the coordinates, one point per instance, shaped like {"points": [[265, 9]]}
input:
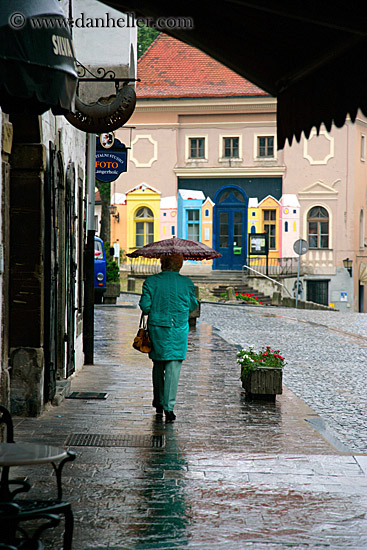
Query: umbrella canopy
{"points": [[190, 250], [36, 58], [307, 54]]}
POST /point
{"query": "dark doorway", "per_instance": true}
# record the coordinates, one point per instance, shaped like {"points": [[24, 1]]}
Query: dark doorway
{"points": [[318, 292], [361, 298]]}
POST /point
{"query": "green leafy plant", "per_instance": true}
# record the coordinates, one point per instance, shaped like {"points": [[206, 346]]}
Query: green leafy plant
{"points": [[112, 271], [250, 298], [250, 359], [112, 267]]}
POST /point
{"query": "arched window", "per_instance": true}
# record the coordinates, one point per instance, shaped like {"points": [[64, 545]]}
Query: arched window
{"points": [[237, 195], [318, 227], [144, 226]]}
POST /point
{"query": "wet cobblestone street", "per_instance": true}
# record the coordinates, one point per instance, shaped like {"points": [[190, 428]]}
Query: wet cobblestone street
{"points": [[326, 354], [231, 474]]}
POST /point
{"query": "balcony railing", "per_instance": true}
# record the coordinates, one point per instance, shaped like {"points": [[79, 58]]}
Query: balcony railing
{"points": [[144, 266], [275, 267]]}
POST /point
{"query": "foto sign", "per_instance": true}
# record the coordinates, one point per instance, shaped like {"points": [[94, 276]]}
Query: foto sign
{"points": [[111, 161]]}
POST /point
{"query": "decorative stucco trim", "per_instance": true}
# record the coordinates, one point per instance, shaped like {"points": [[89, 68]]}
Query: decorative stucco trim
{"points": [[319, 188], [206, 172], [206, 104], [155, 151], [330, 155]]}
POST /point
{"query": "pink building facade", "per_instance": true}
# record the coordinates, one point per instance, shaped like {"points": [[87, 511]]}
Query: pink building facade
{"points": [[221, 140]]}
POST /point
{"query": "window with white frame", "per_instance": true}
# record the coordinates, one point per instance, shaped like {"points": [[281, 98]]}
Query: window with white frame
{"points": [[144, 226], [363, 147], [197, 148], [193, 224], [231, 147], [318, 227], [361, 229], [265, 146]]}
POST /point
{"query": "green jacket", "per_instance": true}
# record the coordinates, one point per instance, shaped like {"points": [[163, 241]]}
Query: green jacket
{"points": [[168, 298]]}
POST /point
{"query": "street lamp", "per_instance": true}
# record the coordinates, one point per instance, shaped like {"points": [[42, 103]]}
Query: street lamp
{"points": [[347, 263], [114, 213]]}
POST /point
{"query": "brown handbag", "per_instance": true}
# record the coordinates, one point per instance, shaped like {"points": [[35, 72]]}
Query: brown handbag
{"points": [[142, 341]]}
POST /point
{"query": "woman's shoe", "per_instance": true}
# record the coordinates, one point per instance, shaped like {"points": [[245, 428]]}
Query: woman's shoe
{"points": [[170, 416], [159, 410]]}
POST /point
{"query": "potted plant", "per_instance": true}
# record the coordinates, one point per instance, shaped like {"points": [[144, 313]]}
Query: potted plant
{"points": [[113, 281], [261, 372], [249, 298]]}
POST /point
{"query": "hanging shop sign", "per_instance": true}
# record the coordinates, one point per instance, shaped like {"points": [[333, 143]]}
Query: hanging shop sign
{"points": [[111, 158]]}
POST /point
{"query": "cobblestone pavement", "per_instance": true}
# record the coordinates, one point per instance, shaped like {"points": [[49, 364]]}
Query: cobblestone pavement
{"points": [[231, 474], [326, 352]]}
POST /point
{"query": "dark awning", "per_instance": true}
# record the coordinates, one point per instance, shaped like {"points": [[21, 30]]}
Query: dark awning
{"points": [[37, 69], [310, 55]]}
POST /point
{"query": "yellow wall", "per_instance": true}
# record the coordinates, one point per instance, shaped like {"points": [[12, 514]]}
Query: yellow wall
{"points": [[254, 220], [138, 198], [207, 223]]}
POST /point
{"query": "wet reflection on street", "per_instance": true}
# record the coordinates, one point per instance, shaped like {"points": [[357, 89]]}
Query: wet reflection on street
{"points": [[232, 473]]}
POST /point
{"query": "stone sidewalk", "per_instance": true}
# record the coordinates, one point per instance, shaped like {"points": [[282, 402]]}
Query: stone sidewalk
{"points": [[228, 474]]}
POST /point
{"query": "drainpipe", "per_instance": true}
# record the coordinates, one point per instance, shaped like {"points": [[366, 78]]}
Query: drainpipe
{"points": [[88, 322]]}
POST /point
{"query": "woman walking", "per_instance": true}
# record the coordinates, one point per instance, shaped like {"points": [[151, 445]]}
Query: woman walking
{"points": [[168, 298]]}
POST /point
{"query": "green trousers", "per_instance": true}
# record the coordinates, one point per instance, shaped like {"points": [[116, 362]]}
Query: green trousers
{"points": [[165, 381]]}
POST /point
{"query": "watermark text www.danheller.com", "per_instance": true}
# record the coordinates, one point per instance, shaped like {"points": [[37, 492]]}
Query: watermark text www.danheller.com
{"points": [[17, 21]]}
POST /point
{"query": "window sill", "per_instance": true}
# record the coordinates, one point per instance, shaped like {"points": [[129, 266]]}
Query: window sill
{"points": [[193, 161], [230, 160], [265, 159]]}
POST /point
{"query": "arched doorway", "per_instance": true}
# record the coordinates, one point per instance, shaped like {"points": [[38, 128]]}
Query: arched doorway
{"points": [[230, 227]]}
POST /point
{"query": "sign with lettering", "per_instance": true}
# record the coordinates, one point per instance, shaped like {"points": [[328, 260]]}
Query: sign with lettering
{"points": [[111, 160]]}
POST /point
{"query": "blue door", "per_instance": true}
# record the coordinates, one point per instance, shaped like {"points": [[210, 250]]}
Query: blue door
{"points": [[230, 228]]}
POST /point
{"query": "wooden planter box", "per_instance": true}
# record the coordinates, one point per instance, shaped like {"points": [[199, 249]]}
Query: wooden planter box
{"points": [[112, 293], [263, 383]]}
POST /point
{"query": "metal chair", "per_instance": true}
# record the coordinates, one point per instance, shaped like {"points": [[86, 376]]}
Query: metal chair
{"points": [[15, 537], [5, 418], [31, 509]]}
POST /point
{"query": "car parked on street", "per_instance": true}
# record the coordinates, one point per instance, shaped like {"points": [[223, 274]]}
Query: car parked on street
{"points": [[100, 267]]}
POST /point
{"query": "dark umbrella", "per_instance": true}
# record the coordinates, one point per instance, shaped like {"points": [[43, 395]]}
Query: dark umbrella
{"points": [[36, 58], [190, 250]]}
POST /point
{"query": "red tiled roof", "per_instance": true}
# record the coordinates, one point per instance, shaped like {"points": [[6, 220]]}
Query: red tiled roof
{"points": [[172, 69]]}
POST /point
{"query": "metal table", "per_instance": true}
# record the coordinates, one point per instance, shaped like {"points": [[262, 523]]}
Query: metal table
{"points": [[28, 454]]}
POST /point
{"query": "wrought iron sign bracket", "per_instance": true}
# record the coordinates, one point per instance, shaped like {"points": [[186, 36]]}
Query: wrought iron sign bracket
{"points": [[101, 76], [106, 114]]}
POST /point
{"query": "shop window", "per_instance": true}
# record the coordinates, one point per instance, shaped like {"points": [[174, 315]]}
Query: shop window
{"points": [[144, 227], [318, 227]]}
